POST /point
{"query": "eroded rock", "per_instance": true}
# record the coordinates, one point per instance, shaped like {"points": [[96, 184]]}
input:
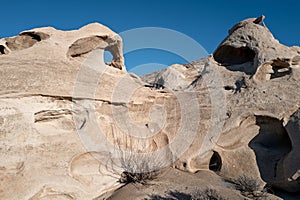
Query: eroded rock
{"points": [[103, 39], [25, 40], [67, 114], [249, 42]]}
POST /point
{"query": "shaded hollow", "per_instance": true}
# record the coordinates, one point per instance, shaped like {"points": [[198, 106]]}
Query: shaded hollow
{"points": [[270, 145], [3, 50], [280, 68], [229, 55], [215, 163], [25, 40], [38, 36], [85, 45]]}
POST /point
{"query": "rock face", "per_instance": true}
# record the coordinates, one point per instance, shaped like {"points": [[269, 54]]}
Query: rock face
{"points": [[70, 44], [255, 45], [269, 93], [42, 156], [71, 124]]}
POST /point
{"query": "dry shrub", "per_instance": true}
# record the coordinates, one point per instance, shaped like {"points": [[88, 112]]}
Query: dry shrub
{"points": [[250, 187]]}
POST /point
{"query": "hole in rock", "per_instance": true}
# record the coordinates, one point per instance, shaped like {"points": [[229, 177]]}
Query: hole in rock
{"points": [[280, 68], [34, 36], [3, 50], [228, 55], [228, 87], [38, 36], [108, 57], [25, 40], [280, 72], [85, 45], [215, 163], [269, 145]]}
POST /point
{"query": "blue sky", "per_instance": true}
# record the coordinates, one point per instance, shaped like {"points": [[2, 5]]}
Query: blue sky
{"points": [[206, 22]]}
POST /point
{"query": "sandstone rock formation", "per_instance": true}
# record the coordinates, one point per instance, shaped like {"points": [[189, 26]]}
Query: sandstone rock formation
{"points": [[65, 115]]}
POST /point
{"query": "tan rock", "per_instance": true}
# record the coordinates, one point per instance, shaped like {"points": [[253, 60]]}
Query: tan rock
{"points": [[71, 125]]}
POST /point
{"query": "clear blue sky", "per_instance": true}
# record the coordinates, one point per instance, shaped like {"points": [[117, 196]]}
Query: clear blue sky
{"points": [[206, 21]]}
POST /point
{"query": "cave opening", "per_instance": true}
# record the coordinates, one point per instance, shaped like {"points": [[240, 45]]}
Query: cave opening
{"points": [[215, 163], [280, 68], [229, 55], [34, 36], [2, 49], [270, 145]]}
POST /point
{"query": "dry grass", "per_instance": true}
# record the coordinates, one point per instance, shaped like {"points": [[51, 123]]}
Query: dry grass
{"points": [[137, 170], [135, 166], [250, 188]]}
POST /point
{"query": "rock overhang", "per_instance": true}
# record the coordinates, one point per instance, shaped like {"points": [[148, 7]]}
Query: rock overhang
{"points": [[73, 44]]}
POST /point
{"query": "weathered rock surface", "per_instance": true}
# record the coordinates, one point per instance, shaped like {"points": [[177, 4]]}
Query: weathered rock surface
{"points": [[64, 112]]}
